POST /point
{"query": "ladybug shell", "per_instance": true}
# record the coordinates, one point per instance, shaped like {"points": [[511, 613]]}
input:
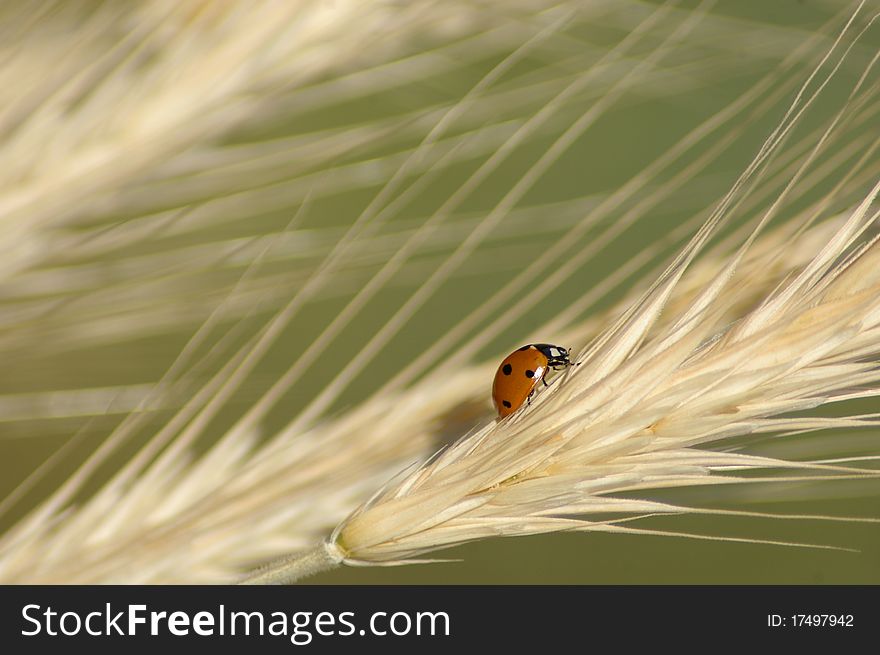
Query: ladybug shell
{"points": [[517, 377]]}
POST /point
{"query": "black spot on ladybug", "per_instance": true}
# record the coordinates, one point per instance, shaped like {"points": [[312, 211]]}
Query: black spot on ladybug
{"points": [[507, 369], [506, 403], [530, 373]]}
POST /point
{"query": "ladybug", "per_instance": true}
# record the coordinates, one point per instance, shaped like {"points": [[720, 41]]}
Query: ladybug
{"points": [[519, 373]]}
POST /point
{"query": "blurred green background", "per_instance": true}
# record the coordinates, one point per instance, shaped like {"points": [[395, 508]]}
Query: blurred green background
{"points": [[100, 335]]}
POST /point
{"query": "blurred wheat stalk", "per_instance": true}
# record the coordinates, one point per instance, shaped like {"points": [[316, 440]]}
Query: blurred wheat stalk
{"points": [[176, 169]]}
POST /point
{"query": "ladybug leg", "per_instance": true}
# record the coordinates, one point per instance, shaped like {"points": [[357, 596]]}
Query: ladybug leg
{"points": [[529, 399], [544, 380]]}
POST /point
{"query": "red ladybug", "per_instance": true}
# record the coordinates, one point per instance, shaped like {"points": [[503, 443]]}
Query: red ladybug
{"points": [[519, 373]]}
